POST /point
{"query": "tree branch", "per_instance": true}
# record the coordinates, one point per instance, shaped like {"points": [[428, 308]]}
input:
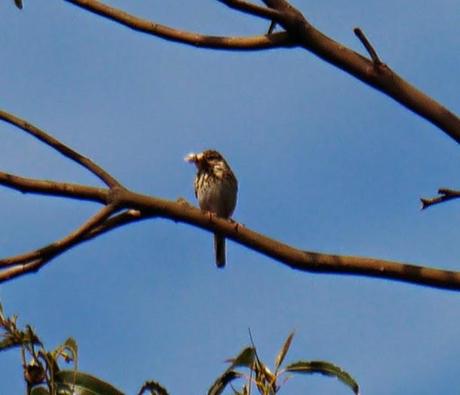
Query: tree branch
{"points": [[33, 266], [32, 261], [298, 32], [381, 78], [54, 188], [198, 40], [61, 245], [137, 207], [307, 261], [61, 148], [444, 196]]}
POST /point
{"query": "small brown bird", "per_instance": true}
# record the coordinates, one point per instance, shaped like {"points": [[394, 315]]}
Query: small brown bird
{"points": [[216, 188]]}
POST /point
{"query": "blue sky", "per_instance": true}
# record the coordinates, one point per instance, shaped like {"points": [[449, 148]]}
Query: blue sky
{"points": [[324, 163]]}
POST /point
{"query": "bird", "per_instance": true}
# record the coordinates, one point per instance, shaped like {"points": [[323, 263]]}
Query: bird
{"points": [[216, 189]]}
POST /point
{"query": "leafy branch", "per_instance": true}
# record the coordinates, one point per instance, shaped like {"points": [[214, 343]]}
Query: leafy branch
{"points": [[39, 365], [269, 383], [43, 375], [41, 368]]}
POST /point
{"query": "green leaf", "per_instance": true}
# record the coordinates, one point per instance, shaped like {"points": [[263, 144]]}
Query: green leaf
{"points": [[71, 345], [219, 385], [39, 391], [244, 358], [67, 350], [73, 382], [282, 354], [325, 368]]}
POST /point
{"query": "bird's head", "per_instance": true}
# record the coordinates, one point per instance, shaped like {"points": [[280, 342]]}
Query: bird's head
{"points": [[205, 159]]}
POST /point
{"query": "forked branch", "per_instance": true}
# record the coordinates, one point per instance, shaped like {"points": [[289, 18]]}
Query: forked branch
{"points": [[281, 39], [34, 260], [122, 206], [298, 32]]}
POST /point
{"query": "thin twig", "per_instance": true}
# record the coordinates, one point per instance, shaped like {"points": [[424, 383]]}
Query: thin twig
{"points": [[445, 196], [116, 221], [369, 48], [271, 27], [60, 147]]}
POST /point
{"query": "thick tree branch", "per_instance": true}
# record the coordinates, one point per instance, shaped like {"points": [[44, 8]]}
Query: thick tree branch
{"points": [[381, 78], [445, 195], [136, 207], [198, 40], [308, 261], [298, 32]]}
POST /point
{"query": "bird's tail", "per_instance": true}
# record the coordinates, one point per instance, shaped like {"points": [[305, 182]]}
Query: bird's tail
{"points": [[219, 248]]}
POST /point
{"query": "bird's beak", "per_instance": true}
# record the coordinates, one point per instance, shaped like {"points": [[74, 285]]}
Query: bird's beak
{"points": [[193, 158]]}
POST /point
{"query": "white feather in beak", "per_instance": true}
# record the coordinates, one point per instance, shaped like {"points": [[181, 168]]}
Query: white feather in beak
{"points": [[191, 157], [194, 158]]}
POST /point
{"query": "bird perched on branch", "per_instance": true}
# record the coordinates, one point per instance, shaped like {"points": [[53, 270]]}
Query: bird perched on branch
{"points": [[216, 188]]}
